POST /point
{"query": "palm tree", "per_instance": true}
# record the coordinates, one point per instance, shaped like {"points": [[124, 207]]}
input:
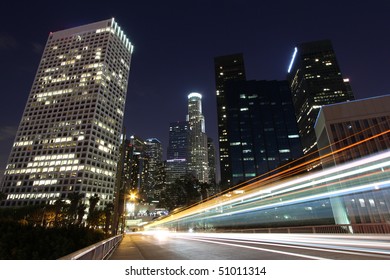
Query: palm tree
{"points": [[108, 211], [93, 200], [92, 216], [59, 206], [80, 213], [75, 199]]}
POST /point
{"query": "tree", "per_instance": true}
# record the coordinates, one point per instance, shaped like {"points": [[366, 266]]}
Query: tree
{"points": [[108, 211], [93, 200], [59, 209], [75, 199], [80, 213], [95, 219], [190, 185], [92, 218]]}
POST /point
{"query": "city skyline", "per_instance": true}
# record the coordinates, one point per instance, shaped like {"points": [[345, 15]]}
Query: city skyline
{"points": [[175, 46]]}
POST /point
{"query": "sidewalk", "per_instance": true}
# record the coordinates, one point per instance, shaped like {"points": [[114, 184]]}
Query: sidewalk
{"points": [[126, 250]]}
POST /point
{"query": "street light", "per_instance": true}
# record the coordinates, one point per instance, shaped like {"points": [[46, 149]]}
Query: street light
{"points": [[133, 196], [130, 208]]}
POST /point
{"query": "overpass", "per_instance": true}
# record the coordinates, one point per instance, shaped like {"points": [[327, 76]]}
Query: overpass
{"points": [[347, 195]]}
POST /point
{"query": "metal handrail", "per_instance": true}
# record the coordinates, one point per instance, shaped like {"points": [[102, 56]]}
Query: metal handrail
{"points": [[97, 251], [367, 228]]}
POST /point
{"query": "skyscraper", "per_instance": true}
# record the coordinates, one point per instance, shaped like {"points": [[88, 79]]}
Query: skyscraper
{"points": [[315, 80], [137, 165], [198, 163], [227, 68], [261, 128], [212, 162], [69, 134], [177, 152], [154, 154]]}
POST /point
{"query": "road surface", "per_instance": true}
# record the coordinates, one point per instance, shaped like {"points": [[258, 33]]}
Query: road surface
{"points": [[220, 246]]}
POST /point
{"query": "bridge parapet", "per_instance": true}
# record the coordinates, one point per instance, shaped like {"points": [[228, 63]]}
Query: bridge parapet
{"points": [[97, 251]]}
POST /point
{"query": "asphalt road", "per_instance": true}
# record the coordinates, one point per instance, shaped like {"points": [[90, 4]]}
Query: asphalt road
{"points": [[190, 246]]}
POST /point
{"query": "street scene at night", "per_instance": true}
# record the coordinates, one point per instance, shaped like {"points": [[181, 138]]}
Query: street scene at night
{"points": [[195, 130]]}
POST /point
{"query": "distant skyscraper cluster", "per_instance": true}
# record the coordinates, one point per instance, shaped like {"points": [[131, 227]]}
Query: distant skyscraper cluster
{"points": [[189, 147]]}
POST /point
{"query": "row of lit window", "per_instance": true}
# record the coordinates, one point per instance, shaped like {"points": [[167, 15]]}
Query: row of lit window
{"points": [[33, 196], [92, 169], [44, 169], [53, 163]]}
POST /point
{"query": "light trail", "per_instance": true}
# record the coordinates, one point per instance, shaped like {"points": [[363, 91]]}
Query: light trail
{"points": [[256, 248], [384, 185], [316, 244], [360, 176], [317, 247]]}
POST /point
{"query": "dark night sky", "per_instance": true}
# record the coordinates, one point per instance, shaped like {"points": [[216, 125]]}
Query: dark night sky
{"points": [[176, 41]]}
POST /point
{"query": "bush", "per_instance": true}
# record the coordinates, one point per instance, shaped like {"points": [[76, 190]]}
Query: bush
{"points": [[27, 242]]}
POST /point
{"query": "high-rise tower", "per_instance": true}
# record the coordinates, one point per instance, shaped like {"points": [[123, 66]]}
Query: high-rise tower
{"points": [[261, 126], [198, 156], [315, 80], [177, 152], [227, 68], [69, 134], [154, 154]]}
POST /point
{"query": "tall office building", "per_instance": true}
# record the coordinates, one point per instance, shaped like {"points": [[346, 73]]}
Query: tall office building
{"points": [[69, 135], [177, 152], [198, 163], [315, 80], [138, 164], [261, 126], [227, 68], [212, 162], [154, 155]]}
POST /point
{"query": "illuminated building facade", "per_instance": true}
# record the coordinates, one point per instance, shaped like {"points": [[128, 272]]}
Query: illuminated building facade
{"points": [[315, 80], [154, 155], [69, 136], [137, 165], [358, 129], [198, 163], [227, 68], [212, 162], [261, 125], [177, 152]]}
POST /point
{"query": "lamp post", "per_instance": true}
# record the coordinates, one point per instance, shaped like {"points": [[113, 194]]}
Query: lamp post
{"points": [[132, 197]]}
